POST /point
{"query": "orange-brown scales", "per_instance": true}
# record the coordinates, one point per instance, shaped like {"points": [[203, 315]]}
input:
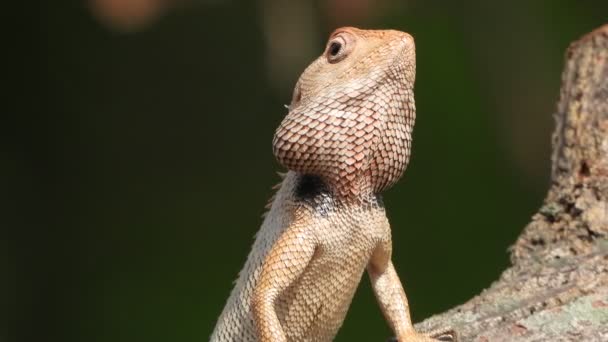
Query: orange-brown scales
{"points": [[352, 113], [346, 138]]}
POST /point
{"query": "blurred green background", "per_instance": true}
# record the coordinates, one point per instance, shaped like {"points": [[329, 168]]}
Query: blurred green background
{"points": [[148, 163]]}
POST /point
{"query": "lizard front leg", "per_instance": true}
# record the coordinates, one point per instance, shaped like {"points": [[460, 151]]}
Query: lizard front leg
{"points": [[285, 262], [392, 300]]}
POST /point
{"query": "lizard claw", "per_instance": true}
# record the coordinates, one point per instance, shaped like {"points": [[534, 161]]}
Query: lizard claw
{"points": [[442, 335], [447, 337]]}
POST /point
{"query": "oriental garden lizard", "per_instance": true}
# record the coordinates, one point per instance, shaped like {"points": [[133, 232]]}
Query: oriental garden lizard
{"points": [[346, 138]]}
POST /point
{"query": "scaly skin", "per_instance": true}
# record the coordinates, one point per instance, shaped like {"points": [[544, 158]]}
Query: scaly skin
{"points": [[346, 138]]}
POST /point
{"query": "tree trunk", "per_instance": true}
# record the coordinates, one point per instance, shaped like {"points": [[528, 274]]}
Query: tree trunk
{"points": [[557, 286]]}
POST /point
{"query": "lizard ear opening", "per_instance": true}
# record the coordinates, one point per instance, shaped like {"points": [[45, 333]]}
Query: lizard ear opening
{"points": [[297, 96]]}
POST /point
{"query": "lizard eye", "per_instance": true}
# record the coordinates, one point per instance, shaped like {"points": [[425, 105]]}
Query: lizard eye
{"points": [[334, 49], [339, 47]]}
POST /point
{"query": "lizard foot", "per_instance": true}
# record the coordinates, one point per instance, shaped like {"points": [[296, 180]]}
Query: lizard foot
{"points": [[441, 335]]}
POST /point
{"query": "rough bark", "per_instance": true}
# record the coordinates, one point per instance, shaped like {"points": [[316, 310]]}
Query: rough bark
{"points": [[557, 286]]}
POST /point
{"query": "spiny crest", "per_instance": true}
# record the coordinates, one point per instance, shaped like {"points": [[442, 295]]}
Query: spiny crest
{"points": [[275, 189]]}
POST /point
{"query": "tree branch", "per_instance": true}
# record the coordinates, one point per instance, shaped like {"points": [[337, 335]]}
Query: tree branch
{"points": [[557, 286]]}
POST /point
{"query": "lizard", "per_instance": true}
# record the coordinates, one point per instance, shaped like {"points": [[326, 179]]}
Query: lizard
{"points": [[346, 138]]}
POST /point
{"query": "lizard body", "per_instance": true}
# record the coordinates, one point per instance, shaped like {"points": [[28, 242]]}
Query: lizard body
{"points": [[346, 138]]}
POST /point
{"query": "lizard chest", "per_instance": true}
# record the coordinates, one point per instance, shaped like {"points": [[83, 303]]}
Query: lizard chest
{"points": [[317, 303], [347, 238]]}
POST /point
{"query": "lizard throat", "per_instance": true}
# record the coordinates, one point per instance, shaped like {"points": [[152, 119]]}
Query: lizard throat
{"points": [[318, 192]]}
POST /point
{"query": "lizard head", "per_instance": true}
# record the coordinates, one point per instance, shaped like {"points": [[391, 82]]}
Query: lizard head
{"points": [[352, 112]]}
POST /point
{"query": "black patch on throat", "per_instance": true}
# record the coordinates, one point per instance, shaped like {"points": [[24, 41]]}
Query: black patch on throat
{"points": [[379, 201], [310, 187], [314, 193]]}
